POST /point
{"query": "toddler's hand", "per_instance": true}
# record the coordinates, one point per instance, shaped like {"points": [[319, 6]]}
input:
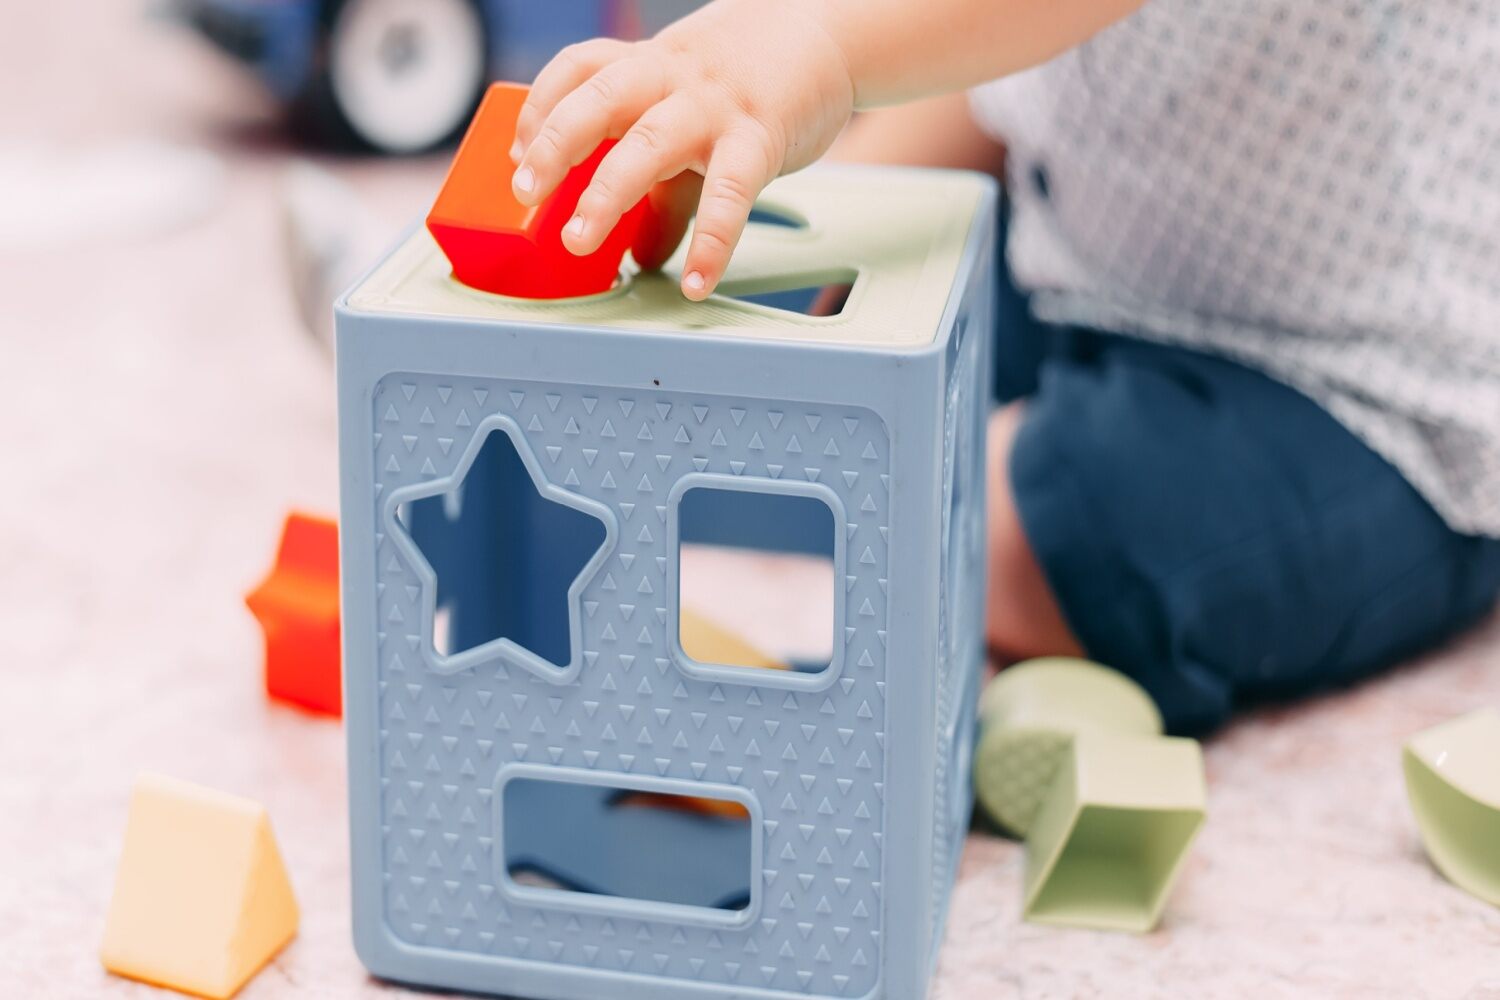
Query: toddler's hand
{"points": [[728, 98]]}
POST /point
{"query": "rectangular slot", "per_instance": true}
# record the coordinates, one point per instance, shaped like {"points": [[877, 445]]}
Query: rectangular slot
{"points": [[824, 295], [808, 300], [608, 846]]}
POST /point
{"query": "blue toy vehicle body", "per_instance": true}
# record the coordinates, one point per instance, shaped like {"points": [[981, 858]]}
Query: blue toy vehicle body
{"points": [[274, 38], [403, 75]]}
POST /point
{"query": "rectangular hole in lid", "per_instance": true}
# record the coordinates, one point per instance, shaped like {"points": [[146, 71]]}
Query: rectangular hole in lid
{"points": [[767, 214], [823, 294]]}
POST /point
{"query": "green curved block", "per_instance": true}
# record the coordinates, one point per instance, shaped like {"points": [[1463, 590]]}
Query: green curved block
{"points": [[1453, 781], [1029, 715], [1113, 831]]}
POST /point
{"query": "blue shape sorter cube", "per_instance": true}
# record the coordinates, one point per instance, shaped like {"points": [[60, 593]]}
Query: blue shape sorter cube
{"points": [[517, 476]]}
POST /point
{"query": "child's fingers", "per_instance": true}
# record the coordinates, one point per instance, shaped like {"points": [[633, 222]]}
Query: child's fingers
{"points": [[740, 167], [604, 106], [668, 139], [558, 78]]}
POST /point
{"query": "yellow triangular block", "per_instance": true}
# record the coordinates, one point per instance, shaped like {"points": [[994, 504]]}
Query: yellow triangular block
{"points": [[202, 899], [709, 642]]}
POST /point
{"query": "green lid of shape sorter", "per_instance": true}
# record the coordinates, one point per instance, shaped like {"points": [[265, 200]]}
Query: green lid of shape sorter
{"points": [[898, 236]]}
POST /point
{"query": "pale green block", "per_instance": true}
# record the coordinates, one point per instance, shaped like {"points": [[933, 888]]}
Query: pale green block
{"points": [[1029, 714], [1113, 832], [1453, 782]]}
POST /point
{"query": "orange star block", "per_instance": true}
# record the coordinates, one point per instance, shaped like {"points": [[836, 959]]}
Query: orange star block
{"points": [[495, 243], [298, 607]]}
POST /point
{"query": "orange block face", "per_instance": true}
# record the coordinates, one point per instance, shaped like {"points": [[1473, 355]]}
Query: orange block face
{"points": [[495, 243], [297, 606]]}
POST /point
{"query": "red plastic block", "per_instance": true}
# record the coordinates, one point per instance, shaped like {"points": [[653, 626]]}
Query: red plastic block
{"points": [[495, 243], [297, 605]]}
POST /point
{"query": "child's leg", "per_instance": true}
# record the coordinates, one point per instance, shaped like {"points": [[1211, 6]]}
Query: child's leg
{"points": [[1214, 534], [1023, 618]]}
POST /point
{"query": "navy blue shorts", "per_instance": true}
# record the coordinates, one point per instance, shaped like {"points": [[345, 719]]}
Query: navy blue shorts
{"points": [[1215, 534]]}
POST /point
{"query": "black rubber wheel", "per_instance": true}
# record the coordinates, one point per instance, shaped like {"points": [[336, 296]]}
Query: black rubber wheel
{"points": [[394, 76]]}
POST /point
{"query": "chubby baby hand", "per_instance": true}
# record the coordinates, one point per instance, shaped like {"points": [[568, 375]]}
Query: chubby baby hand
{"points": [[707, 113]]}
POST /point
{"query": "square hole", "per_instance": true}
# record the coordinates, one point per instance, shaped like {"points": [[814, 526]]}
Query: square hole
{"points": [[756, 578]]}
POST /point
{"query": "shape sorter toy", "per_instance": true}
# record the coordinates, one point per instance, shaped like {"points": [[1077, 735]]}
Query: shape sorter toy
{"points": [[520, 480]]}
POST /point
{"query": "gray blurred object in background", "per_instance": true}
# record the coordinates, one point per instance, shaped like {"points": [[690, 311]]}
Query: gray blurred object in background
{"points": [[327, 231]]}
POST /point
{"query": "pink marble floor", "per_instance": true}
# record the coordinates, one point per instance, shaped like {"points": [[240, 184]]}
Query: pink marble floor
{"points": [[163, 407]]}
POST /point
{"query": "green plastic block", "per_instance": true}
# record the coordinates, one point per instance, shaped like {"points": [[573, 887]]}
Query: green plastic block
{"points": [[1113, 831], [1029, 715], [1453, 782]]}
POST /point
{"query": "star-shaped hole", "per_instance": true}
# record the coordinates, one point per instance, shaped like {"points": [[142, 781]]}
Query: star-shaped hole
{"points": [[503, 555]]}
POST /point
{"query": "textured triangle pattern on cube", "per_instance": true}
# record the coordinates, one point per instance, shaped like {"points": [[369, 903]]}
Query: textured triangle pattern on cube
{"points": [[959, 666], [631, 710]]}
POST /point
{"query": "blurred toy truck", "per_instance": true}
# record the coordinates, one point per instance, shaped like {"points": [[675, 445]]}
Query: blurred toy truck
{"points": [[402, 76]]}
